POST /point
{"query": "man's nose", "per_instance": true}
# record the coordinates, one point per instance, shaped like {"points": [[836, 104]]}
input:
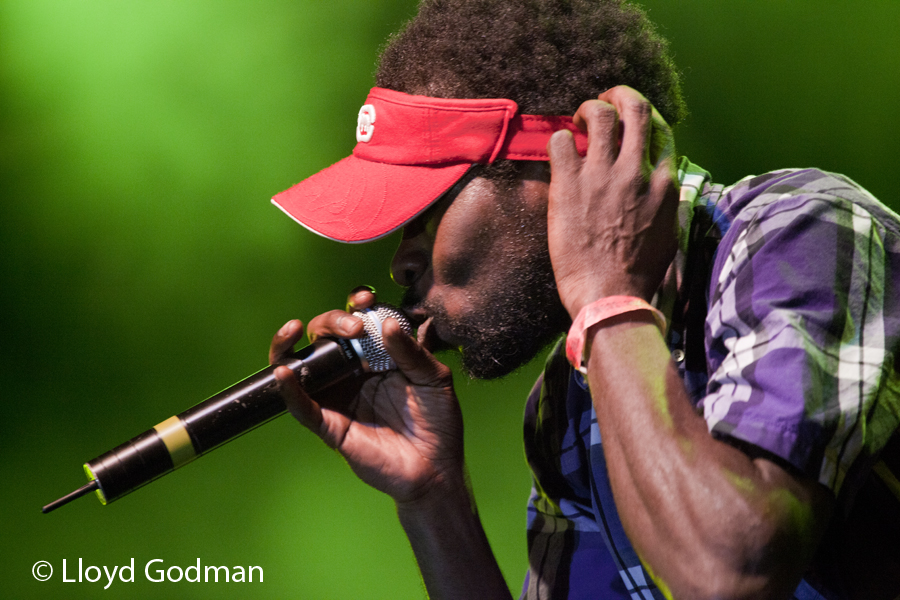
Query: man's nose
{"points": [[410, 261]]}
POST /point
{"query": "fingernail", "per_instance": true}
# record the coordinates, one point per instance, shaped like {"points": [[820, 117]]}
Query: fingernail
{"points": [[356, 290], [287, 329]]}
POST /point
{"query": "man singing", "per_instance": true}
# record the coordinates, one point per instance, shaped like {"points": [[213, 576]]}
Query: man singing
{"points": [[719, 416]]}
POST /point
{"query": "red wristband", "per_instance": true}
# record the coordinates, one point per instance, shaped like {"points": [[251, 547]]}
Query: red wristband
{"points": [[601, 310]]}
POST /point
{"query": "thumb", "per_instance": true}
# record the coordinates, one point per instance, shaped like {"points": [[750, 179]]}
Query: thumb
{"points": [[414, 361]]}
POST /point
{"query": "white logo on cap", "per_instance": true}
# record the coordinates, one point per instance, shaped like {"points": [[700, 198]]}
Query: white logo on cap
{"points": [[365, 123]]}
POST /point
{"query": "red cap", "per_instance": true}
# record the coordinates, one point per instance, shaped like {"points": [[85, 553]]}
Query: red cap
{"points": [[410, 150]]}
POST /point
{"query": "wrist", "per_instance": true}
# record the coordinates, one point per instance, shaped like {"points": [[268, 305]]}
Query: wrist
{"points": [[450, 545], [603, 312], [442, 494], [575, 300]]}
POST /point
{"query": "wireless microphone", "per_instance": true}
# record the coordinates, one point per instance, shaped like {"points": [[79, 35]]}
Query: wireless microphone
{"points": [[247, 404]]}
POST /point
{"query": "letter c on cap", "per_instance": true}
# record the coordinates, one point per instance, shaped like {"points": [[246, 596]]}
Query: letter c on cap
{"points": [[365, 123]]}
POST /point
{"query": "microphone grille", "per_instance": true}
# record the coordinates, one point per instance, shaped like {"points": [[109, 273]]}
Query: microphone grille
{"points": [[373, 344]]}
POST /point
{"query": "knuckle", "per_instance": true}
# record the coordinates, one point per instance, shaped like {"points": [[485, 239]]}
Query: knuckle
{"points": [[632, 171], [637, 175], [443, 375], [639, 106], [326, 321], [598, 110]]}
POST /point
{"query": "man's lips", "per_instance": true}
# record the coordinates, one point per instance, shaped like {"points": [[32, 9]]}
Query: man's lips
{"points": [[417, 315], [428, 333]]}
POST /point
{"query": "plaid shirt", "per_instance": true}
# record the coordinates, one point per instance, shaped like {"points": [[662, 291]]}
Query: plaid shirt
{"points": [[787, 350]]}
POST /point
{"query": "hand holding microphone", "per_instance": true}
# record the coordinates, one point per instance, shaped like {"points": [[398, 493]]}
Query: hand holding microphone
{"points": [[401, 432], [242, 407]]}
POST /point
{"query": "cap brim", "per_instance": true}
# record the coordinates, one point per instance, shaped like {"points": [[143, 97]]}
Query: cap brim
{"points": [[357, 201]]}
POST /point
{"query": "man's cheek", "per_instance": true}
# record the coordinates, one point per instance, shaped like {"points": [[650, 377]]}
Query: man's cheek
{"points": [[456, 271]]}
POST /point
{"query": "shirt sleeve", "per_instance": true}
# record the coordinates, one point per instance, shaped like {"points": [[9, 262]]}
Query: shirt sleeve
{"points": [[802, 327]]}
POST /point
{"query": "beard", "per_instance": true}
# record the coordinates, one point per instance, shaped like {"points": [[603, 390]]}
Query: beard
{"points": [[519, 314]]}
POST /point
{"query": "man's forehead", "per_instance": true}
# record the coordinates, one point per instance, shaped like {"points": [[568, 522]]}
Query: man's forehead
{"points": [[429, 218]]}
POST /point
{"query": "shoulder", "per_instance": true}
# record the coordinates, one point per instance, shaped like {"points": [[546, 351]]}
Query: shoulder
{"points": [[780, 197], [797, 216]]}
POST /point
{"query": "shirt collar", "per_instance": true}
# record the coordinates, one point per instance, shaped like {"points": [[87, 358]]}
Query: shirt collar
{"points": [[692, 179]]}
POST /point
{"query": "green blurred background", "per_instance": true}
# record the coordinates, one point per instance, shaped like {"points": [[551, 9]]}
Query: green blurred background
{"points": [[144, 269]]}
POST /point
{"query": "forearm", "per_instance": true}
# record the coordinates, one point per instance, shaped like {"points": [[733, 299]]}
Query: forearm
{"points": [[451, 548], [707, 519]]}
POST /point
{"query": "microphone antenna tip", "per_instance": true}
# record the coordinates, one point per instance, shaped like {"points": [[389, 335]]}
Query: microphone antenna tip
{"points": [[87, 488]]}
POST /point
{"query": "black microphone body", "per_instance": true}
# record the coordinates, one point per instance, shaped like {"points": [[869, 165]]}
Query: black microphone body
{"points": [[236, 410], [219, 419]]}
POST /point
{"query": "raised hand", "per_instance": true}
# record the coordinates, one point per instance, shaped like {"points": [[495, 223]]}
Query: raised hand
{"points": [[612, 214]]}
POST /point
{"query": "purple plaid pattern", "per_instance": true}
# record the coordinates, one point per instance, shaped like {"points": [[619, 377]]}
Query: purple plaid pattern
{"points": [[804, 318], [800, 335]]}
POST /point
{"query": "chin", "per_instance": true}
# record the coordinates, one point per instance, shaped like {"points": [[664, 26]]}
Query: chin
{"points": [[481, 362], [496, 343]]}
